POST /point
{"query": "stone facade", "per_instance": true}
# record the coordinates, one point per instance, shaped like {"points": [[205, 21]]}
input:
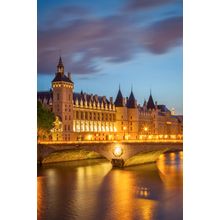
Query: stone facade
{"points": [[82, 116]]}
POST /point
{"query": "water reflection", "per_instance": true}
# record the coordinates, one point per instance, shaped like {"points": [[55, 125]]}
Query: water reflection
{"points": [[171, 173], [93, 190]]}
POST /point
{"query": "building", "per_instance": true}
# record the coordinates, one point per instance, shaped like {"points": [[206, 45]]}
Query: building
{"points": [[82, 116]]}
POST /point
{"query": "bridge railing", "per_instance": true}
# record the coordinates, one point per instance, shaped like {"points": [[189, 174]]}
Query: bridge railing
{"points": [[113, 141]]}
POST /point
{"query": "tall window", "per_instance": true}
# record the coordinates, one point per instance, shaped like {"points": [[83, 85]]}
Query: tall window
{"points": [[58, 96]]}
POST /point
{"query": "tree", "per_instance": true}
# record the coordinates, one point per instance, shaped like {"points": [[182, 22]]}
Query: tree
{"points": [[45, 119]]}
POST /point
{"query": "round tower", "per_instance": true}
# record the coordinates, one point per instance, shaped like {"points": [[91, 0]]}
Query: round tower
{"points": [[63, 87]]}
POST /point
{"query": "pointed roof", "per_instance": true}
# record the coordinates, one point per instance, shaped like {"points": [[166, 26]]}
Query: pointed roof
{"points": [[59, 77], [131, 101], [119, 99], [60, 63], [150, 103]]}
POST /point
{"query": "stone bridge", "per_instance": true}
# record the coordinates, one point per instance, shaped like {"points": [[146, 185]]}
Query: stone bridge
{"points": [[119, 153]]}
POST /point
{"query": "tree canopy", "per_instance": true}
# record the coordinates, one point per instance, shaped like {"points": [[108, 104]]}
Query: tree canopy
{"points": [[45, 118]]}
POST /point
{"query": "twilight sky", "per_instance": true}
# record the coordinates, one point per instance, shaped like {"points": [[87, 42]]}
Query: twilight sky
{"points": [[106, 43]]}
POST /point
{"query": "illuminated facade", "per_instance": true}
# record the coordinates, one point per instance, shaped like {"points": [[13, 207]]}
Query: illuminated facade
{"points": [[82, 116]]}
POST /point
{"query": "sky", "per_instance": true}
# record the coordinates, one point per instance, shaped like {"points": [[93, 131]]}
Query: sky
{"points": [[132, 43]]}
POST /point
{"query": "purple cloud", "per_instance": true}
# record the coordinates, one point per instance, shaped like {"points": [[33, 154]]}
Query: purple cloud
{"points": [[146, 4], [163, 35], [84, 41], [105, 38]]}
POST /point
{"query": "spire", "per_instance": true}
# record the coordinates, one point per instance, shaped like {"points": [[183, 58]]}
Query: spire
{"points": [[60, 76], [60, 66], [150, 102], [60, 62], [119, 99], [131, 101]]}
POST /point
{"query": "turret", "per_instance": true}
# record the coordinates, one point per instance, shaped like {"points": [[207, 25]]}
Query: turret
{"points": [[150, 103], [131, 103], [121, 115], [132, 116], [119, 101]]}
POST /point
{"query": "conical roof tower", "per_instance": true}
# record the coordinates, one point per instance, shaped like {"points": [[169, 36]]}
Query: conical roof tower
{"points": [[131, 101], [119, 101], [150, 103]]}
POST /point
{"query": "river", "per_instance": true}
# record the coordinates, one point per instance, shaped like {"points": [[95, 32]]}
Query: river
{"points": [[92, 190]]}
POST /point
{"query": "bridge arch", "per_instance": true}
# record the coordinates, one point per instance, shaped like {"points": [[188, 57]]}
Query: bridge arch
{"points": [[133, 153], [144, 157], [71, 155]]}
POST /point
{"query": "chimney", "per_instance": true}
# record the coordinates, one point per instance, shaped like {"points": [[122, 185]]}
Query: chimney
{"points": [[111, 99], [69, 75]]}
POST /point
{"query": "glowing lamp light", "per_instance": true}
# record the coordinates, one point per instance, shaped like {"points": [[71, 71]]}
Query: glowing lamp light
{"points": [[89, 137], [118, 151]]}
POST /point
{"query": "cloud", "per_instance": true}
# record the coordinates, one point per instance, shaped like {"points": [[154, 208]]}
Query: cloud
{"points": [[62, 16], [163, 35], [86, 40], [105, 38], [146, 4]]}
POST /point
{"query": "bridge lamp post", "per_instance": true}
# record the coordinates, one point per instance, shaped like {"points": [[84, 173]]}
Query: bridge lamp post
{"points": [[118, 151]]}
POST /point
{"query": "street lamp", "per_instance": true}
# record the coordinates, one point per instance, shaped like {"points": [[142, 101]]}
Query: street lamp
{"points": [[118, 151], [124, 128], [145, 129]]}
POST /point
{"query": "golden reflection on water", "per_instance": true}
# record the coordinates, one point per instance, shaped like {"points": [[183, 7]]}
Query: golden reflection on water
{"points": [[122, 194], [99, 192], [127, 200], [87, 182], [170, 173], [39, 196]]}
